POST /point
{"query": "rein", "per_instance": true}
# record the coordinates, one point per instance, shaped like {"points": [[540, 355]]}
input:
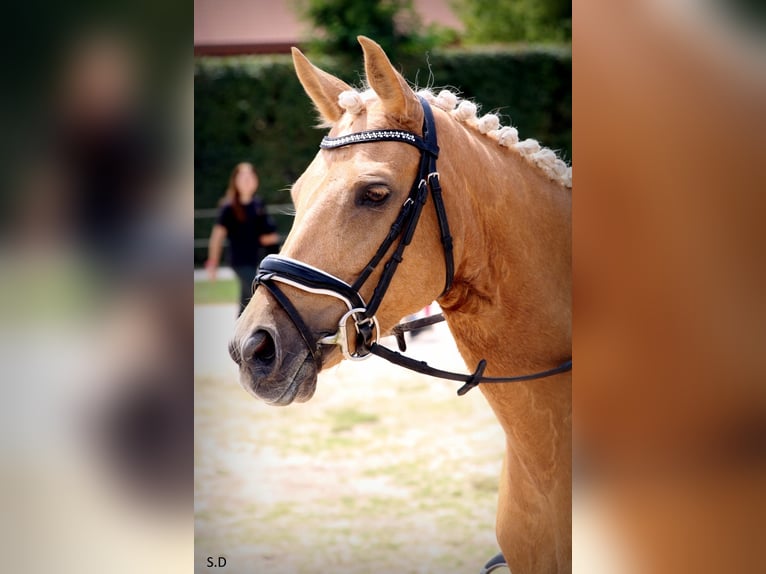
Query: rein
{"points": [[276, 269]]}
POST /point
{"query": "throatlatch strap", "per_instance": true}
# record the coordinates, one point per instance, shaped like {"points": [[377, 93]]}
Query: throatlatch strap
{"points": [[446, 236]]}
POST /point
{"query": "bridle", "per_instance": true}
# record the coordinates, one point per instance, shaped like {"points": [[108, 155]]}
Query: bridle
{"points": [[276, 269]]}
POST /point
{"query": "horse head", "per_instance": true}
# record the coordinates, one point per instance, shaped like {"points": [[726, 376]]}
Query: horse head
{"points": [[343, 277], [346, 203]]}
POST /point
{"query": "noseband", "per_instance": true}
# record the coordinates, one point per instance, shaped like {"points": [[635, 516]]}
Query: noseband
{"points": [[275, 269]]}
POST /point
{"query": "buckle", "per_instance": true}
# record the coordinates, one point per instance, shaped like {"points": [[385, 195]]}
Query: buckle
{"points": [[340, 338]]}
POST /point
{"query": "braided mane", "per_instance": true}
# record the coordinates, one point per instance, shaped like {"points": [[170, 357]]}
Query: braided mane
{"points": [[466, 112]]}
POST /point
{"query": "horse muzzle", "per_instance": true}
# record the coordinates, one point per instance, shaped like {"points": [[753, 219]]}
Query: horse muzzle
{"points": [[274, 364], [277, 350]]}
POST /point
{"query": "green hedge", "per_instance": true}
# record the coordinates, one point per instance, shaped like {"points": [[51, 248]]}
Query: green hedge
{"points": [[254, 109]]}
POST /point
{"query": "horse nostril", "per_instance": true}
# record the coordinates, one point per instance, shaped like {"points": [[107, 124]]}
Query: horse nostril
{"points": [[259, 348]]}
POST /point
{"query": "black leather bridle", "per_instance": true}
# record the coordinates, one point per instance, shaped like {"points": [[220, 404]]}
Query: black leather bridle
{"points": [[275, 269]]}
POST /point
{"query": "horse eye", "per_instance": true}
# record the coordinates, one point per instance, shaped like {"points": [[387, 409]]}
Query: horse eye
{"points": [[376, 194]]}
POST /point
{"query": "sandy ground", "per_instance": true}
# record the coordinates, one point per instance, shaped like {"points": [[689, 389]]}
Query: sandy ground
{"points": [[383, 471]]}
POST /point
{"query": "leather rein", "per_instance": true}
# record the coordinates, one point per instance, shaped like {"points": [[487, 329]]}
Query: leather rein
{"points": [[275, 269]]}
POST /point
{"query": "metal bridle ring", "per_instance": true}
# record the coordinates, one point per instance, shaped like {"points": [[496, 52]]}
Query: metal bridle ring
{"points": [[341, 337]]}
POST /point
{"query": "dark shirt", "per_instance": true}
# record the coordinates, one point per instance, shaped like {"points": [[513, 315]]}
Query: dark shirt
{"points": [[113, 169], [244, 236]]}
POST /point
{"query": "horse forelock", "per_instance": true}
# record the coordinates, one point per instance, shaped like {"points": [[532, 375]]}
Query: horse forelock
{"points": [[467, 112]]}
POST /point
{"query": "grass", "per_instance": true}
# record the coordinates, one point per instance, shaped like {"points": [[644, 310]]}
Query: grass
{"points": [[347, 418], [221, 291], [382, 471], [379, 472]]}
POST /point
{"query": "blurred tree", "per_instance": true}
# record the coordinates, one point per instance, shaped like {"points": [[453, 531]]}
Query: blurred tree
{"points": [[749, 15], [394, 24], [488, 21]]}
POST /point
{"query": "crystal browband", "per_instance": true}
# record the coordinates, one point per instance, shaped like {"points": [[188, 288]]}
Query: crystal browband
{"points": [[373, 136]]}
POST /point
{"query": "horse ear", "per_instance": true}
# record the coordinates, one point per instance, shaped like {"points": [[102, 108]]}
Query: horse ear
{"points": [[392, 89], [321, 87]]}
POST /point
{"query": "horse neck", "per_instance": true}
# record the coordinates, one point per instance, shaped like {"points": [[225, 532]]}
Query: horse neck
{"points": [[511, 299]]}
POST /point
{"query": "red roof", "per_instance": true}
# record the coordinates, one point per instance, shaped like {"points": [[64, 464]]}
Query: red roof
{"points": [[268, 26]]}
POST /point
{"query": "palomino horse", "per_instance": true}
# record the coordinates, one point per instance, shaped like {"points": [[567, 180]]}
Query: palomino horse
{"points": [[499, 232]]}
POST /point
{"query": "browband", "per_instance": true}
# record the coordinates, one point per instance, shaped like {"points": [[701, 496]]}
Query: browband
{"points": [[379, 136]]}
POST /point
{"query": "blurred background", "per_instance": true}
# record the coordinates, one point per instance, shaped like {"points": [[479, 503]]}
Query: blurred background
{"points": [[512, 57], [110, 160], [670, 286], [96, 114]]}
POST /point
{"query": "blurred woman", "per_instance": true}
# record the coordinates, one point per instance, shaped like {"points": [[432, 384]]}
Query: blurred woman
{"points": [[250, 230]]}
